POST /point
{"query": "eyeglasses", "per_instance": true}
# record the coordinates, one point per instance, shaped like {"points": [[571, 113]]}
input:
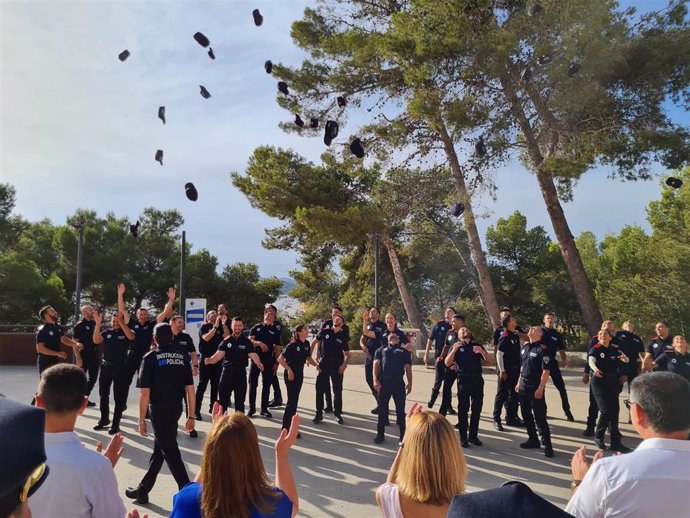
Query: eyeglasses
{"points": [[628, 403], [33, 479]]}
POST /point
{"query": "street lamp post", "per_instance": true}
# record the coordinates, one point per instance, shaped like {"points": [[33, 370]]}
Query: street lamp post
{"points": [[183, 267], [376, 270], [80, 263]]}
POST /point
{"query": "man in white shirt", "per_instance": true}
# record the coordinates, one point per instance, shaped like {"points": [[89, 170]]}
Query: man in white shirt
{"points": [[654, 480], [82, 482]]}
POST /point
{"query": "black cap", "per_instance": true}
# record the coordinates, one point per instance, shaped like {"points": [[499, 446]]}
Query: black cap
{"points": [[314, 123], [299, 121], [190, 191], [676, 183], [573, 69], [526, 74], [283, 87], [123, 55], [356, 148], [330, 132], [258, 19], [511, 500], [211, 54], [161, 113], [535, 10], [342, 101], [204, 93], [268, 66], [159, 156], [134, 229], [480, 147], [22, 450], [202, 40], [457, 209]]}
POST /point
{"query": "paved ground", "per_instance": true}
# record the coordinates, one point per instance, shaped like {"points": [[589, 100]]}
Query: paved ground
{"points": [[337, 467]]}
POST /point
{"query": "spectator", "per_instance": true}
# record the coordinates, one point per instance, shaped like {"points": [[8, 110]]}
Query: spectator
{"points": [[232, 481], [428, 471], [83, 482], [654, 480], [22, 456]]}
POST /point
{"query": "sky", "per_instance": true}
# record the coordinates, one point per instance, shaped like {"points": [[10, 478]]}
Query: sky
{"points": [[79, 128]]}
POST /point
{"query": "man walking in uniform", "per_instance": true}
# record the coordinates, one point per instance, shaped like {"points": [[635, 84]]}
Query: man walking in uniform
{"points": [[210, 336], [508, 361], [372, 332], [266, 339], [466, 356], [389, 365], [83, 333], [555, 344], [184, 343], [332, 352], [534, 373], [442, 378], [165, 379]]}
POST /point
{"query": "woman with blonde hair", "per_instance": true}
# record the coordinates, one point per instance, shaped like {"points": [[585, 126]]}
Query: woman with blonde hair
{"points": [[428, 471], [232, 481]]}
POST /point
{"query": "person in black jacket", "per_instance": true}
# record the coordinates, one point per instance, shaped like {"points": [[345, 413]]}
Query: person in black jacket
{"points": [[83, 333], [508, 361], [210, 336], [292, 359]]}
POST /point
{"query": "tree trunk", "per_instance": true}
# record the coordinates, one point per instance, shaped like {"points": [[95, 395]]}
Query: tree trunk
{"points": [[408, 300], [486, 291], [566, 241]]}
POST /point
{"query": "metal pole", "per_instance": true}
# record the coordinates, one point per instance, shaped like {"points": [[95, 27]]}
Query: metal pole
{"points": [[80, 263], [376, 270], [183, 266]]}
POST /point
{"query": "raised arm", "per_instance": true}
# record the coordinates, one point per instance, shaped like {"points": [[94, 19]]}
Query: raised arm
{"points": [[121, 301], [168, 309], [98, 319], [284, 478], [121, 317], [365, 324]]}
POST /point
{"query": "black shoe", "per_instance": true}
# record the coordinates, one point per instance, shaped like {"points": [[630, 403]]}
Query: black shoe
{"points": [[618, 446], [197, 416], [569, 417], [113, 430], [387, 423], [101, 425], [379, 439], [600, 443], [430, 404], [464, 443], [252, 412], [548, 451], [125, 408], [629, 420], [375, 411], [588, 432], [476, 441], [90, 404], [530, 444], [515, 422], [339, 419], [137, 495], [498, 426], [276, 402], [265, 413], [457, 426], [317, 419], [328, 410], [299, 435], [451, 411], [193, 434]]}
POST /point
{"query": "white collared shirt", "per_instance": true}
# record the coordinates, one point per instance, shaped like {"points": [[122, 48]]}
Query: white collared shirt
{"points": [[652, 481], [81, 482]]}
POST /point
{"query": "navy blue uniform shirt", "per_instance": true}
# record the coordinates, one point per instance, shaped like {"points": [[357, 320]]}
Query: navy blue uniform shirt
{"points": [[143, 335], [268, 334], [632, 346], [438, 335], [466, 360], [236, 351], [328, 324], [402, 336], [607, 361], [499, 331], [393, 361], [332, 345], [296, 353], [553, 341], [115, 346], [208, 349], [509, 344], [49, 335], [675, 362], [658, 346], [83, 333], [373, 344], [534, 361], [167, 372], [184, 343]]}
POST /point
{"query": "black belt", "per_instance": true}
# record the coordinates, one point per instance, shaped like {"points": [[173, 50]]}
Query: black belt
{"points": [[469, 375], [529, 381]]}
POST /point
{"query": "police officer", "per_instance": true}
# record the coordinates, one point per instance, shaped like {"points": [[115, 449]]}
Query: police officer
{"points": [[389, 365], [520, 330], [275, 383], [165, 379], [332, 353], [184, 343], [336, 311], [555, 344], [83, 333], [49, 340], [142, 327], [508, 362], [235, 351], [608, 368], [465, 360], [114, 368], [452, 336], [293, 357], [660, 343], [266, 340], [210, 336], [372, 333], [534, 373], [437, 340], [677, 361], [632, 346]]}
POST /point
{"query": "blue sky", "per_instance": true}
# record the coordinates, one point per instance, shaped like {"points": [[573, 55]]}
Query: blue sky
{"points": [[79, 129]]}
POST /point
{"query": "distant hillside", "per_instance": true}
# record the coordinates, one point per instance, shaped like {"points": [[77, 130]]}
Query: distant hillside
{"points": [[288, 284]]}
